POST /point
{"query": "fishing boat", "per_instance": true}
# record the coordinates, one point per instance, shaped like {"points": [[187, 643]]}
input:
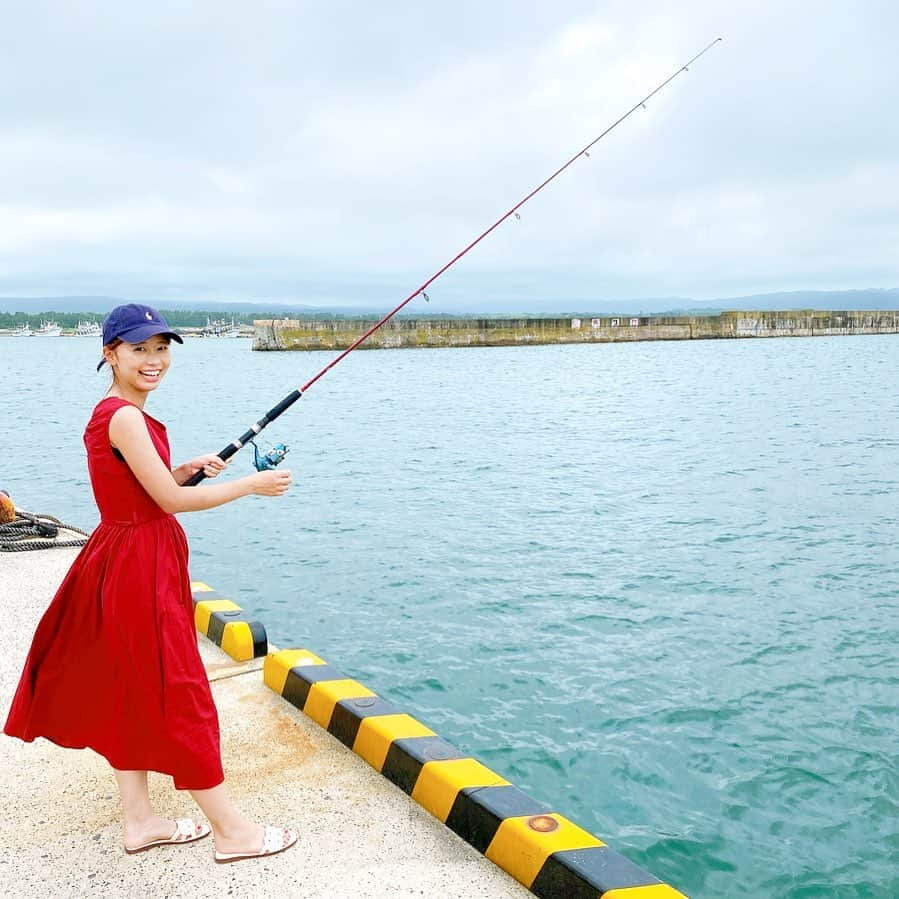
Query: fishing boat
{"points": [[48, 329], [22, 331], [210, 329], [220, 328], [87, 329]]}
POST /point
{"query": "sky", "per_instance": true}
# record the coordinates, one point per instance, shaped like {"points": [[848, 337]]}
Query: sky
{"points": [[333, 153]]}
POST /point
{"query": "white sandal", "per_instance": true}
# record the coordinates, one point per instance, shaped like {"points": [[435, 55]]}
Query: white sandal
{"points": [[186, 831], [277, 839]]}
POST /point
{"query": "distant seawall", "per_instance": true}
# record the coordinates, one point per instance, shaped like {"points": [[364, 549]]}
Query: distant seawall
{"points": [[336, 334]]}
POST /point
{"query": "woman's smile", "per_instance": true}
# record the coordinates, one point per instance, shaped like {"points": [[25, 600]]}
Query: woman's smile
{"points": [[139, 367]]}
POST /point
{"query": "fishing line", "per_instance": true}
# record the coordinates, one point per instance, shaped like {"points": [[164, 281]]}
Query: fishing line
{"points": [[294, 395]]}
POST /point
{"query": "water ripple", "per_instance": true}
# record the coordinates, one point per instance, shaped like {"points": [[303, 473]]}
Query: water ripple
{"points": [[655, 585]]}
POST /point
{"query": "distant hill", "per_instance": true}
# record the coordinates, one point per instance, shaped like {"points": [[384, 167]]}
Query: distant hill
{"points": [[872, 298]]}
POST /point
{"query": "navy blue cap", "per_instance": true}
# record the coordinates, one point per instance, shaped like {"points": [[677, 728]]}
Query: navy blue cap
{"points": [[134, 323]]}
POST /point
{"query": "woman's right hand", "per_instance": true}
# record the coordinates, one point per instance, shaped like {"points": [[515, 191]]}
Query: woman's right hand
{"points": [[270, 483]]}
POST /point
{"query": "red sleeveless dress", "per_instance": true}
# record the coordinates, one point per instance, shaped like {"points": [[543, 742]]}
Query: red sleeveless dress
{"points": [[114, 665]]}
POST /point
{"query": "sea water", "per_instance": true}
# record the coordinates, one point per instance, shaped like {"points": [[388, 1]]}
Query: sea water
{"points": [[654, 584]]}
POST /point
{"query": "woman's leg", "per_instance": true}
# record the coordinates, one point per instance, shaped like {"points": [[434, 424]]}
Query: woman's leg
{"points": [[230, 829], [142, 825]]}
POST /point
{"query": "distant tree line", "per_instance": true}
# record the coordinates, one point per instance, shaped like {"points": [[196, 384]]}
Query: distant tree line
{"points": [[64, 319], [192, 318], [177, 318]]}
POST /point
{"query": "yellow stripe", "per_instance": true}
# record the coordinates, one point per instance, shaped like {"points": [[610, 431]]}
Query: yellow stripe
{"points": [[378, 732], [203, 611], [439, 783], [324, 695], [521, 851], [277, 666], [237, 641], [653, 891], [200, 587]]}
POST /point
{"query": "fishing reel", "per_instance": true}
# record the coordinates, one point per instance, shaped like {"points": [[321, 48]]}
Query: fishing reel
{"points": [[270, 459]]}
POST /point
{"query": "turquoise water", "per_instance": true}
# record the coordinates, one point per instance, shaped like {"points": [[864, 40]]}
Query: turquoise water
{"points": [[654, 585]]}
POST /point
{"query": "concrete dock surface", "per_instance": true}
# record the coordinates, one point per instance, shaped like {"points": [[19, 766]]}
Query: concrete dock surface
{"points": [[60, 827]]}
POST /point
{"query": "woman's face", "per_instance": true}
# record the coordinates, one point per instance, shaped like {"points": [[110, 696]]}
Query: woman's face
{"points": [[140, 366]]}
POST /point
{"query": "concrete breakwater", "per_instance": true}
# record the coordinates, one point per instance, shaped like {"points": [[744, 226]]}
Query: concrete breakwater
{"points": [[337, 334]]}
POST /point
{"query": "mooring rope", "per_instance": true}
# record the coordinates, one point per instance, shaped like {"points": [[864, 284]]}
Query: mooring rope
{"points": [[31, 532]]}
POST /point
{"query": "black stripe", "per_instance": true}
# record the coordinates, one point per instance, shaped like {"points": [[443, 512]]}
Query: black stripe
{"points": [[406, 758], [478, 812], [312, 674], [260, 640], [295, 689], [218, 620], [215, 629], [349, 713], [300, 679], [582, 873]]}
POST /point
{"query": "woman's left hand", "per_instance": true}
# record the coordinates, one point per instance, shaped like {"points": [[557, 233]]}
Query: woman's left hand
{"points": [[210, 464]]}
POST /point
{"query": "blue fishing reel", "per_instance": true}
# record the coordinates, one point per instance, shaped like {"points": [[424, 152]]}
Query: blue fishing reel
{"points": [[271, 459]]}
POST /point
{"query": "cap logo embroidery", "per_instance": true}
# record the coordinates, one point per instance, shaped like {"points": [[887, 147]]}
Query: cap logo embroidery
{"points": [[149, 316]]}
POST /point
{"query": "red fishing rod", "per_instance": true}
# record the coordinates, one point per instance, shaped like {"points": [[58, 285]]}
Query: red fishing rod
{"points": [[272, 458]]}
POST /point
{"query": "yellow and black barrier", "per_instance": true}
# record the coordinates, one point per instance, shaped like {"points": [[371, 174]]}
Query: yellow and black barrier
{"points": [[226, 624], [541, 849]]}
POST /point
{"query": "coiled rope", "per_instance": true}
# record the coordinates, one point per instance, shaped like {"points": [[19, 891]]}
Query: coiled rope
{"points": [[31, 532]]}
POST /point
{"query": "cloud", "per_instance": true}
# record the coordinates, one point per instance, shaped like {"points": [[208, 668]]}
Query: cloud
{"points": [[326, 152]]}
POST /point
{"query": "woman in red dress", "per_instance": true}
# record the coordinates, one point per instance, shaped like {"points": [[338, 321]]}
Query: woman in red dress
{"points": [[114, 665]]}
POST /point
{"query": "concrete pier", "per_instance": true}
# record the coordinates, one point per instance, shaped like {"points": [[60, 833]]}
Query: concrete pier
{"points": [[60, 831], [338, 334]]}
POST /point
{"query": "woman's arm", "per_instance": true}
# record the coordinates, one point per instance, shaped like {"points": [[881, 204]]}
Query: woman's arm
{"points": [[128, 433]]}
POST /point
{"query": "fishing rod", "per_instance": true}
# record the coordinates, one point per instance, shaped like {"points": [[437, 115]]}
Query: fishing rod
{"points": [[274, 456]]}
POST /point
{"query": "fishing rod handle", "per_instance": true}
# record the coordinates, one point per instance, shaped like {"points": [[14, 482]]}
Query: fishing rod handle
{"points": [[198, 476], [245, 438]]}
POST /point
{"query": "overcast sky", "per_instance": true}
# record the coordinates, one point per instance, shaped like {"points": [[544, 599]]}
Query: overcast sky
{"points": [[336, 152]]}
